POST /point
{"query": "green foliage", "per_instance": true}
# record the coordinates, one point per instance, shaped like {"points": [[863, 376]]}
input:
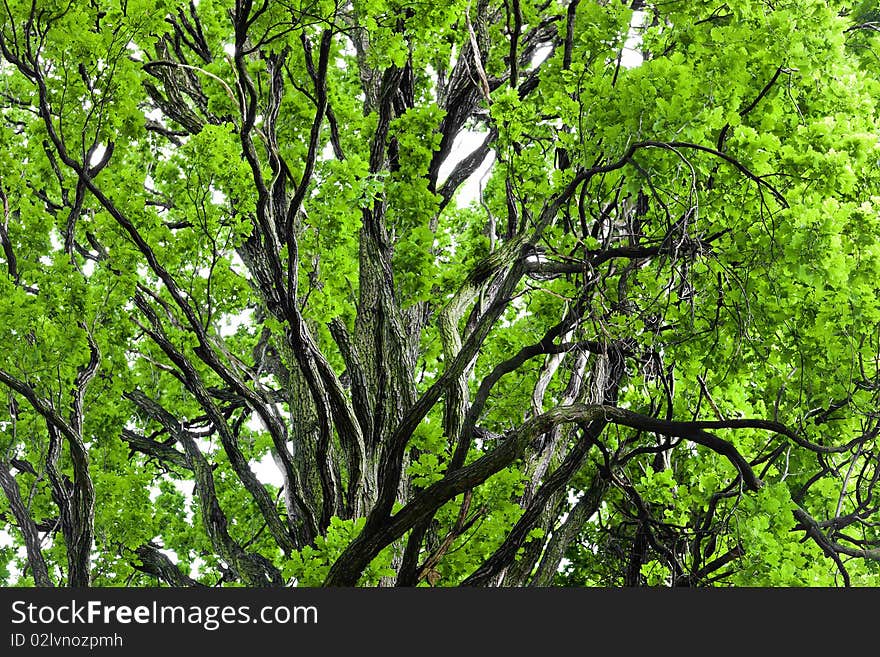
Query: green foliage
{"points": [[244, 318], [309, 566]]}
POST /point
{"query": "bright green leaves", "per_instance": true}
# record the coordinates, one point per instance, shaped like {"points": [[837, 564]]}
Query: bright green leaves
{"points": [[416, 264], [720, 302], [430, 451], [98, 95], [208, 175], [495, 508], [426, 470], [215, 154], [676, 101], [388, 46], [507, 110], [417, 138], [8, 557], [773, 554], [309, 566], [329, 241], [44, 335], [397, 31], [658, 487], [412, 207], [211, 215]]}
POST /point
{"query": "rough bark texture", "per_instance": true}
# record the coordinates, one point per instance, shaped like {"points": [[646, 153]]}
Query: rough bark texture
{"points": [[342, 399]]}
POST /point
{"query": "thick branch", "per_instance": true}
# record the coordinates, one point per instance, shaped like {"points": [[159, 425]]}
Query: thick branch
{"points": [[154, 562], [153, 449], [27, 526], [239, 464], [349, 566], [253, 569]]}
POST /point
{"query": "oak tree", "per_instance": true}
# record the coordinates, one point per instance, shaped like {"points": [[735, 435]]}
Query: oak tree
{"points": [[475, 292]]}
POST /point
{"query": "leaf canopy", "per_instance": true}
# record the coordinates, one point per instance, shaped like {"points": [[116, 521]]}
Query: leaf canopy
{"points": [[382, 292]]}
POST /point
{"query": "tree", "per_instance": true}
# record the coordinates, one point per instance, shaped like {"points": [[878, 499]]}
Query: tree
{"points": [[644, 352]]}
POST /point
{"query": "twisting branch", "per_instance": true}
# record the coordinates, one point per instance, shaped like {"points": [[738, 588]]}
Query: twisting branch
{"points": [[562, 537], [722, 136], [75, 500], [8, 252], [506, 552], [196, 387], [253, 569], [153, 449], [28, 528], [348, 567], [206, 350], [155, 563], [739, 166], [462, 524], [515, 12], [477, 56], [319, 77]]}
